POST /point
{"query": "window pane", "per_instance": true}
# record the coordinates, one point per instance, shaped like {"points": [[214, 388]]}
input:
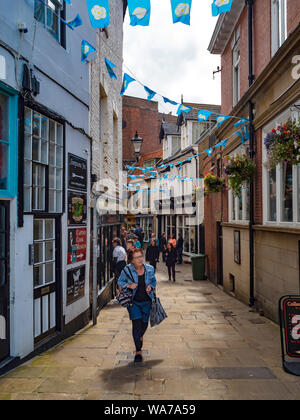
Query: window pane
{"points": [[27, 172], [3, 165], [52, 154], [49, 229], [233, 205], [27, 118], [27, 147], [52, 19], [44, 152], [4, 124], [272, 217], [36, 124], [59, 157], [240, 200], [59, 139], [49, 273], [38, 253], [35, 149], [51, 177], [44, 132], [39, 11], [59, 179], [38, 275], [247, 203], [58, 201], [287, 192], [41, 198], [27, 199], [49, 251], [52, 203]]}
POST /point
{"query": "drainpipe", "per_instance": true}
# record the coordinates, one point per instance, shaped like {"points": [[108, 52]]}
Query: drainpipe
{"points": [[251, 77]]}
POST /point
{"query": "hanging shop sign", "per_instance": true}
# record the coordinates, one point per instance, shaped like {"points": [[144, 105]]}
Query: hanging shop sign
{"points": [[289, 315], [77, 208], [75, 284], [77, 168], [77, 243]]}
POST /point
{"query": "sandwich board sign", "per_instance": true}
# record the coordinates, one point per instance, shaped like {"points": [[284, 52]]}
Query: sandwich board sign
{"points": [[289, 316]]}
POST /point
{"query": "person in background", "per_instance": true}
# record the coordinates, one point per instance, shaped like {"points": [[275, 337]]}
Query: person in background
{"points": [[137, 243], [152, 254], [119, 259], [138, 232], [139, 278], [131, 234], [129, 248], [123, 237], [179, 248], [171, 260], [163, 246], [153, 238], [172, 241]]}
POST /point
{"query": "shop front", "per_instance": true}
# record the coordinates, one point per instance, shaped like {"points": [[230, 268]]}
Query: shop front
{"points": [[4, 281]]}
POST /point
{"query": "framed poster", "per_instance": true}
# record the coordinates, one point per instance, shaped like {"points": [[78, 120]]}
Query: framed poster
{"points": [[237, 246], [77, 208], [77, 242], [75, 284], [77, 170]]}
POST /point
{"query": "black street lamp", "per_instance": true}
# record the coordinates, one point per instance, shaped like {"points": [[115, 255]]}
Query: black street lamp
{"points": [[137, 144]]}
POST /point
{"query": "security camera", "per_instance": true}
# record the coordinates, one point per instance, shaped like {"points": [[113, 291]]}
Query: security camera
{"points": [[22, 28]]}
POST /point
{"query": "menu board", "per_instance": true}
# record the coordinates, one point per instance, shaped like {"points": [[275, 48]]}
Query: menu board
{"points": [[75, 284]]}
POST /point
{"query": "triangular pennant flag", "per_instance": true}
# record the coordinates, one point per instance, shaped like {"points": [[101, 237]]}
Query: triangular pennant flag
{"points": [[221, 6], [203, 115], [183, 108], [238, 133], [240, 122], [86, 49], [166, 100], [110, 66], [98, 13], [181, 11], [139, 12], [221, 119], [246, 132], [73, 23], [126, 81], [150, 92]]}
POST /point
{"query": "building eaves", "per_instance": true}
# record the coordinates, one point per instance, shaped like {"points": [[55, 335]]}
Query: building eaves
{"points": [[225, 27]]}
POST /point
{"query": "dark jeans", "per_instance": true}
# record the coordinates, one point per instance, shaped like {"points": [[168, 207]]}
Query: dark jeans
{"points": [[179, 255], [139, 328], [171, 270]]}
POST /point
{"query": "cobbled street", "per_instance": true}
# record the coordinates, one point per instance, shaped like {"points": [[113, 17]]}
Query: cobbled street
{"points": [[210, 347]]}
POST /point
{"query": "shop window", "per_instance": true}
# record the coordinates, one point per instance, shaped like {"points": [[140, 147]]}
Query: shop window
{"points": [[49, 13], [8, 141], [43, 164], [278, 23], [44, 252], [281, 185]]}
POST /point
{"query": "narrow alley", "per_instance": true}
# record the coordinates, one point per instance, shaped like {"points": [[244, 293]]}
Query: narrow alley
{"points": [[210, 347]]}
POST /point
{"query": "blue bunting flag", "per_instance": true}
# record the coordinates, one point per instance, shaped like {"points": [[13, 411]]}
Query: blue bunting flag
{"points": [[183, 108], [221, 119], [110, 66], [126, 81], [166, 100], [98, 13], [86, 49], [203, 115], [221, 6], [77, 21], [150, 92], [139, 12], [181, 11]]}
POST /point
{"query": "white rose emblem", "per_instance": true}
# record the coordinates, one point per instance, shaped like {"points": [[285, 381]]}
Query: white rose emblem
{"points": [[220, 3], [182, 9], [99, 12], [140, 12], [201, 117]]}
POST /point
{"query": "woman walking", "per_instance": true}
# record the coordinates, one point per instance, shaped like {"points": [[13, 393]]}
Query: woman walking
{"points": [[152, 254], [171, 260], [140, 278]]}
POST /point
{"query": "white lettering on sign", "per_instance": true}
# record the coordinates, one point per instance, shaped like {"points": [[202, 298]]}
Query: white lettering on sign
{"points": [[2, 67], [296, 69], [2, 328], [296, 329]]}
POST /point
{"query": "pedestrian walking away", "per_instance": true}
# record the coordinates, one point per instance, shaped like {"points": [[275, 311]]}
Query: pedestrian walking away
{"points": [[119, 257], [163, 246], [179, 249], [171, 260], [140, 278], [152, 254], [172, 241]]}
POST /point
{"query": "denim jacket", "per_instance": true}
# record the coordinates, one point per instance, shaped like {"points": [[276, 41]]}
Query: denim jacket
{"points": [[125, 279]]}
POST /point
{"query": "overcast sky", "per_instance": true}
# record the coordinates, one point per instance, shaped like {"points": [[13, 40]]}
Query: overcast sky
{"points": [[172, 59]]}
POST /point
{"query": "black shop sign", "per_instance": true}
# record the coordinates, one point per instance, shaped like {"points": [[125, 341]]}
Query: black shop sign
{"points": [[289, 314], [75, 284], [77, 168]]}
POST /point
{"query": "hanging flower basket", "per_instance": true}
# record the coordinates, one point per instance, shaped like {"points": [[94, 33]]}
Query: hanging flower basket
{"points": [[240, 171], [212, 183], [283, 144]]}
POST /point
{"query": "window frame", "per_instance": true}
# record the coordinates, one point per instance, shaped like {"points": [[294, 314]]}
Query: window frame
{"points": [[278, 24], [12, 143], [61, 27], [280, 119], [47, 166]]}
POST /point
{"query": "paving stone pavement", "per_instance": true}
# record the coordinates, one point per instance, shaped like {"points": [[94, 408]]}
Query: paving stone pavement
{"points": [[211, 346]]}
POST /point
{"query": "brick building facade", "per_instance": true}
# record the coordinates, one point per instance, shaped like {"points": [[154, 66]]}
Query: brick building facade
{"points": [[275, 94]]}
